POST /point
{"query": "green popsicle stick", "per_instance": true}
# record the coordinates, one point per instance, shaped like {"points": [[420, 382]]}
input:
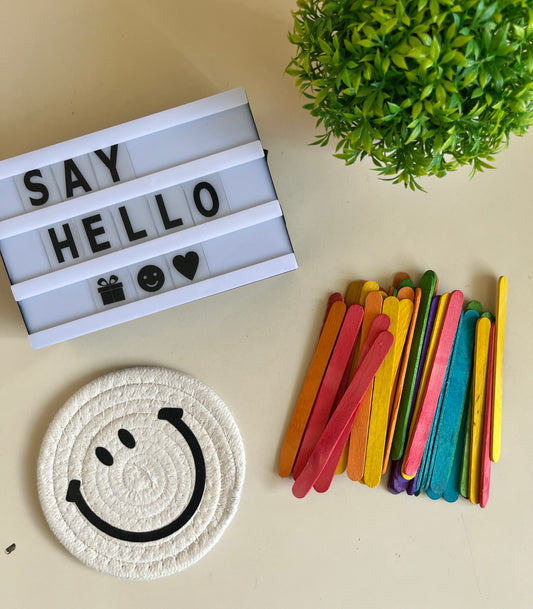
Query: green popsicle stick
{"points": [[406, 283], [427, 285], [465, 466], [475, 305]]}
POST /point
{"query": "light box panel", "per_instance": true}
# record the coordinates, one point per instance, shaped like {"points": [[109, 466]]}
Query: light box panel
{"points": [[140, 217]]}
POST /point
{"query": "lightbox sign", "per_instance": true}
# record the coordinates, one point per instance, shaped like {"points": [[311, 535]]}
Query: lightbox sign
{"points": [[140, 217]]}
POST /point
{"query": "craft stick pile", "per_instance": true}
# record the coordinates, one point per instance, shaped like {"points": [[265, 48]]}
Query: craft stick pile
{"points": [[406, 381]]}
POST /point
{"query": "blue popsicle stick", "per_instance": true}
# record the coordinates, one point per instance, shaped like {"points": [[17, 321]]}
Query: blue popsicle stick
{"points": [[453, 402]]}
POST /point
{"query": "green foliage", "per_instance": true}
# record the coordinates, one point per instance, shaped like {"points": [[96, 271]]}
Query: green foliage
{"points": [[419, 86]]}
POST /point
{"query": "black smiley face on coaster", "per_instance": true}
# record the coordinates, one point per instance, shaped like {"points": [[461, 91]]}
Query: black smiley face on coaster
{"points": [[75, 495], [151, 278], [140, 472]]}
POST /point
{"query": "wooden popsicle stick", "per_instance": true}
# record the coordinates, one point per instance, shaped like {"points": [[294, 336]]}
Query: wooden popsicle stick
{"points": [[400, 380], [484, 481], [335, 297], [381, 397], [343, 414], [380, 324], [453, 485], [474, 305], [464, 477], [426, 363], [353, 292], [400, 276], [479, 386], [358, 438], [424, 418], [406, 292], [496, 424], [366, 289], [403, 484], [352, 296], [310, 388], [406, 283], [330, 384], [455, 399], [427, 285]]}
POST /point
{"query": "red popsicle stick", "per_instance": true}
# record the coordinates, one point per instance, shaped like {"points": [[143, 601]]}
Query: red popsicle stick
{"points": [[485, 458], [428, 406], [380, 324], [330, 384], [342, 416]]}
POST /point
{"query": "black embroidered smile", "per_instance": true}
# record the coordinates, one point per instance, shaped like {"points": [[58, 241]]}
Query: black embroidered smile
{"points": [[174, 417]]}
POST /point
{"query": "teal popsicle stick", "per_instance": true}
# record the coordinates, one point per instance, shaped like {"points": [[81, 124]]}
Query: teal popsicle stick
{"points": [[454, 401], [427, 284], [453, 485]]}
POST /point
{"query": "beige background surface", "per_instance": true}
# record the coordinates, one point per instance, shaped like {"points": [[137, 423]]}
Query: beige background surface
{"points": [[71, 67]]}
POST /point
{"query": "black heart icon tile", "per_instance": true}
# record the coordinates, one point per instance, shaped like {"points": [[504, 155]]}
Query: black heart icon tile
{"points": [[186, 265]]}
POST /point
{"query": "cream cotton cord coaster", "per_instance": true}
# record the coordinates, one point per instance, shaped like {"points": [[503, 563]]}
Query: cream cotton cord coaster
{"points": [[140, 472]]}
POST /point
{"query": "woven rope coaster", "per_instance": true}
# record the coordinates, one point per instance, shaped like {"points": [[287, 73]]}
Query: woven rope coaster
{"points": [[140, 472]]}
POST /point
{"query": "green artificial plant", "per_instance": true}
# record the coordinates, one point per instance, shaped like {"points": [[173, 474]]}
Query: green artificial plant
{"points": [[419, 86]]}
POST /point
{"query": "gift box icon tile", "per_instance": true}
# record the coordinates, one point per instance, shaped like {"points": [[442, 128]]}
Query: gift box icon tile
{"points": [[111, 290]]}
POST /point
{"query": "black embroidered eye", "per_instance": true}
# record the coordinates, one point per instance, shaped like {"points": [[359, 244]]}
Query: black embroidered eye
{"points": [[126, 438], [104, 456]]}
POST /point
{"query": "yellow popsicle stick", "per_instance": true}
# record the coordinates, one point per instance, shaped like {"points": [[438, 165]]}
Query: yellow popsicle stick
{"points": [[352, 296], [366, 288], [379, 413], [398, 389], [433, 341], [404, 320], [479, 382], [496, 423]]}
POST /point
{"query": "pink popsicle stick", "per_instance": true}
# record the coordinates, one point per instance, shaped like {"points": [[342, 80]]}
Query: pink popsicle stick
{"points": [[380, 324], [330, 384], [485, 457], [428, 406], [342, 416]]}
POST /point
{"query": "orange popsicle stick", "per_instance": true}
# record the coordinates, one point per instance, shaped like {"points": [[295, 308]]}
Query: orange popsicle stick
{"points": [[310, 388]]}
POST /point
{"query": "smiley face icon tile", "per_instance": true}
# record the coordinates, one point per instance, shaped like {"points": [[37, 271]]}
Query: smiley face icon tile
{"points": [[140, 472]]}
